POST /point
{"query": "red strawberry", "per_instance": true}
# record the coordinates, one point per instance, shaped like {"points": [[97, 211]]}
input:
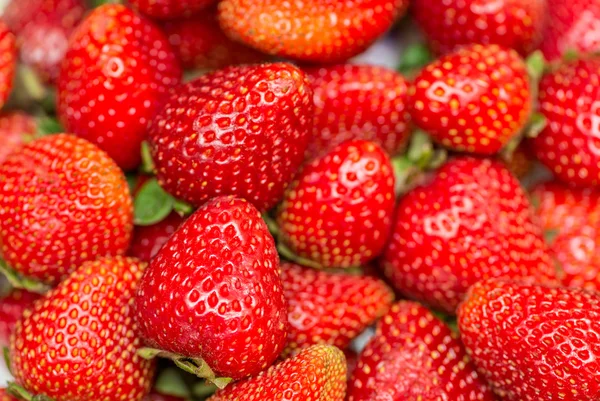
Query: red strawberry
{"points": [[313, 31], [64, 202], [329, 308], [239, 131], [8, 61], [116, 74], [358, 102], [570, 144], [14, 129], [213, 291], [338, 212], [532, 342], [12, 307], [572, 25], [474, 100], [78, 343], [4, 396], [316, 373], [148, 240], [414, 356], [449, 24], [471, 222], [167, 9]]}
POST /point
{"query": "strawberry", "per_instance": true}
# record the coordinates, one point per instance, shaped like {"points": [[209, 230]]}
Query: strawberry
{"points": [[358, 102], [64, 202], [148, 240], [338, 212], [8, 62], [471, 222], [316, 373], [313, 31], [213, 292], [168, 9], [14, 129], [329, 308], [78, 343], [532, 342], [5, 396], [116, 73], [474, 100], [12, 307], [515, 24], [570, 144], [238, 131], [415, 356]]}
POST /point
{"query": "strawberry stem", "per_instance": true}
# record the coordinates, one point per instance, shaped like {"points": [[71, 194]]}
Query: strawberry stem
{"points": [[22, 282], [147, 161], [6, 355]]}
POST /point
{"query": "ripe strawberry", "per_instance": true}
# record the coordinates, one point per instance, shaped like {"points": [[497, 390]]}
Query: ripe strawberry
{"points": [[168, 9], [64, 202], [358, 102], [14, 129], [316, 373], [448, 25], [573, 215], [312, 31], [116, 73], [471, 222], [338, 212], [12, 307], [329, 308], [239, 131], [79, 342], [570, 144], [213, 291], [4, 396], [148, 240], [8, 62], [532, 342], [415, 356], [474, 100]]}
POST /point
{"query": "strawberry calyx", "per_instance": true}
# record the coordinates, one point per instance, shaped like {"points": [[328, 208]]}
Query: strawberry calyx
{"points": [[22, 394], [22, 282], [414, 58], [288, 254], [152, 204], [170, 382]]}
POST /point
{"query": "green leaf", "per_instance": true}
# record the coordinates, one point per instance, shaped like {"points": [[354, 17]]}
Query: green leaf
{"points": [[170, 382], [536, 65], [203, 390], [415, 57], [550, 235], [182, 208], [288, 254], [536, 125], [22, 282], [48, 126], [147, 161], [152, 204], [6, 355], [271, 225], [571, 55]]}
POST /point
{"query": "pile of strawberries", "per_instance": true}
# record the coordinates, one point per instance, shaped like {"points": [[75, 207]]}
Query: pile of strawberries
{"points": [[205, 199]]}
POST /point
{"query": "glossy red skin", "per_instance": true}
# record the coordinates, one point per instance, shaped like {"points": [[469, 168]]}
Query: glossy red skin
{"points": [[358, 102], [471, 222], [339, 210], [514, 24], [168, 9], [314, 31], [532, 342], [243, 132], [4, 396], [8, 62], [574, 214], [570, 144], [117, 72], [213, 291], [316, 373], [413, 356], [330, 308], [14, 128], [572, 25], [64, 202], [12, 307], [78, 343], [148, 240], [474, 100]]}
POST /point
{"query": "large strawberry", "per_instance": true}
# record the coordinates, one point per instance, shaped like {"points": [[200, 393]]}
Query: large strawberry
{"points": [[79, 342], [239, 131], [168, 9], [213, 292], [15, 127], [471, 222], [312, 30], [532, 342], [12, 307], [330, 308], [317, 373], [148, 240], [474, 100], [358, 102], [570, 144], [8, 61], [63, 202], [415, 356], [116, 73], [338, 212]]}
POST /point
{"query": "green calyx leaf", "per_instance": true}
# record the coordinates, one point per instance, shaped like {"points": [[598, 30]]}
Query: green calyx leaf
{"points": [[22, 282], [271, 225], [204, 390], [19, 392], [536, 125], [170, 382], [182, 208], [536, 65], [550, 235], [48, 125], [288, 254], [147, 161], [571, 55], [415, 57], [6, 355], [152, 204]]}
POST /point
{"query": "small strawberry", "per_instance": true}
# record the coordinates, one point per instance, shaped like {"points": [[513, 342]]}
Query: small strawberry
{"points": [[338, 212], [471, 222], [148, 240], [474, 100], [5, 396], [570, 144], [63, 202], [8, 61], [532, 342], [213, 292], [358, 102], [415, 356], [14, 129], [329, 308], [450, 24], [313, 31], [239, 131], [316, 373], [117, 71], [12, 307], [78, 343], [169, 9]]}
